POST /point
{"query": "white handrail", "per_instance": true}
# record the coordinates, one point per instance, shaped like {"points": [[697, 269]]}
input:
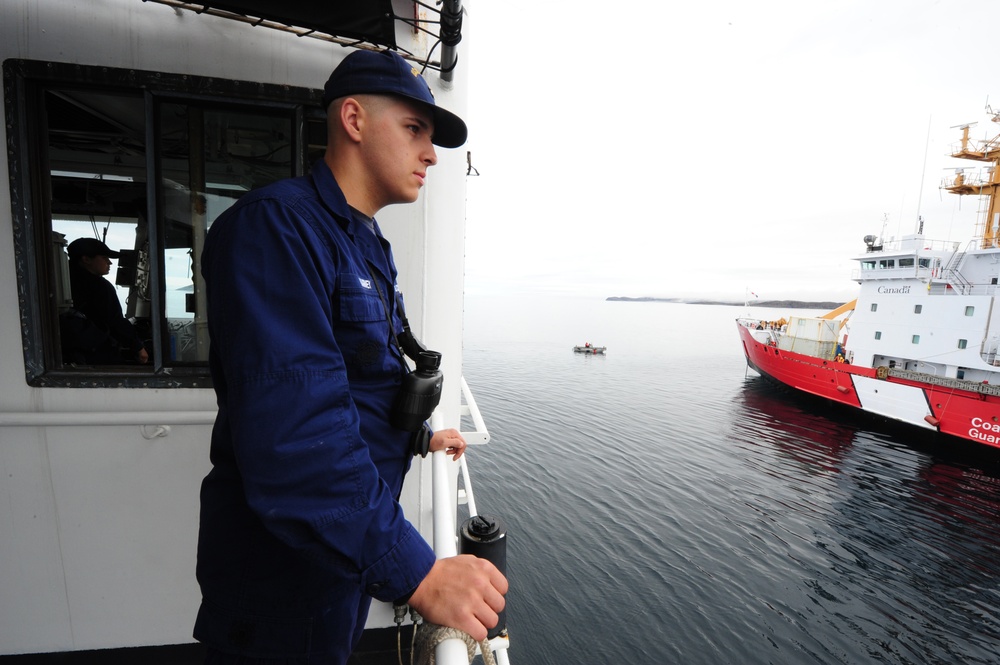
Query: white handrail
{"points": [[452, 651], [443, 505], [480, 435], [81, 418], [470, 498]]}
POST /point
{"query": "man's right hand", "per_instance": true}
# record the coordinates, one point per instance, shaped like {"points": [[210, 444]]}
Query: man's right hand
{"points": [[463, 592]]}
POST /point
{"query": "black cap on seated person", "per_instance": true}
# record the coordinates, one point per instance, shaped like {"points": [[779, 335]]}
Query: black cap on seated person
{"points": [[90, 247], [387, 73]]}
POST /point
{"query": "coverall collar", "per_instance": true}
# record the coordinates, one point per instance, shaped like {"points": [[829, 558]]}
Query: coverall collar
{"points": [[333, 198]]}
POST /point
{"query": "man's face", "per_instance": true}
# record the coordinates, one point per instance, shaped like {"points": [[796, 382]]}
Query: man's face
{"points": [[398, 150], [96, 265]]}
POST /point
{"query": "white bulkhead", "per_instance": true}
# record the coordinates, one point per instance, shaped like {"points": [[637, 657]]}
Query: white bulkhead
{"points": [[100, 470], [928, 307]]}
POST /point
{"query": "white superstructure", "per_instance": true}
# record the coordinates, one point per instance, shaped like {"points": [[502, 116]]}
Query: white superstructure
{"points": [[927, 306], [138, 123]]}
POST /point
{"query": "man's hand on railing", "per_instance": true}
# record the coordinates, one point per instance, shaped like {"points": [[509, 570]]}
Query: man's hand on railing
{"points": [[448, 440], [463, 592]]}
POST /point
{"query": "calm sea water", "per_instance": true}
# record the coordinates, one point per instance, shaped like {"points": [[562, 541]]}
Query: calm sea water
{"points": [[666, 505]]}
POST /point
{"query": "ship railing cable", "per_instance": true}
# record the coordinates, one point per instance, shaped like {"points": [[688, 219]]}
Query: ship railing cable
{"points": [[449, 20]]}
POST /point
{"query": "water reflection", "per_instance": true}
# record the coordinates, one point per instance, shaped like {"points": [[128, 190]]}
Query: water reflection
{"points": [[904, 554], [784, 423]]}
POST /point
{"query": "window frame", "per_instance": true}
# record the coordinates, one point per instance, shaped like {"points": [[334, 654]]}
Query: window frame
{"points": [[25, 86]]}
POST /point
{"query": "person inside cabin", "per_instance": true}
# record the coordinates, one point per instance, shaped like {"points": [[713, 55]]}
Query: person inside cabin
{"points": [[300, 522], [94, 331]]}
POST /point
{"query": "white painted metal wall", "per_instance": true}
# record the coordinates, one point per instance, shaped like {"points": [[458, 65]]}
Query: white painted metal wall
{"points": [[939, 325], [98, 521]]}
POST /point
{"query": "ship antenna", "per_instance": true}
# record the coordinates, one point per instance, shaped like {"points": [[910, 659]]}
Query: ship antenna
{"points": [[920, 197]]}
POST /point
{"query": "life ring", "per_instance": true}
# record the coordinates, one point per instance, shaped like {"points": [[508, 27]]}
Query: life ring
{"points": [[882, 372]]}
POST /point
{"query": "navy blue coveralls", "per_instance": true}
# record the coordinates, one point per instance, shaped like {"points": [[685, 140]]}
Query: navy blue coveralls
{"points": [[300, 525]]}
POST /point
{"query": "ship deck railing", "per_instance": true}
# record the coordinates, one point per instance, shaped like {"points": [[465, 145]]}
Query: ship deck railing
{"points": [[955, 278], [946, 382], [453, 651], [915, 244], [969, 178]]}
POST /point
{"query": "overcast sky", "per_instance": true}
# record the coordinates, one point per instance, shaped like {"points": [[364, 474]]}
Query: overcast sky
{"points": [[674, 149]]}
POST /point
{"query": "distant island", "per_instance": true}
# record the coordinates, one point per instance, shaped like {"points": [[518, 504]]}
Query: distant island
{"points": [[785, 304]]}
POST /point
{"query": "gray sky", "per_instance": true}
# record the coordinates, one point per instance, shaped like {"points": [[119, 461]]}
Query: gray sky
{"points": [[700, 149]]}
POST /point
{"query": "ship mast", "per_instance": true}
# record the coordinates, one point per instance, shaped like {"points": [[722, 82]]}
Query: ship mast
{"points": [[988, 224]]}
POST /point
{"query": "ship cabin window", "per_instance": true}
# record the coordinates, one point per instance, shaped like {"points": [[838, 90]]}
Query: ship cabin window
{"points": [[906, 262], [963, 343], [960, 374], [874, 306], [142, 162], [878, 334], [970, 310], [917, 309], [923, 263], [993, 281], [868, 265], [887, 264], [916, 339]]}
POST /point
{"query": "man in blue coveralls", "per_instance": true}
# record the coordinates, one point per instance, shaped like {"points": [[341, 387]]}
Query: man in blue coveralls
{"points": [[300, 524]]}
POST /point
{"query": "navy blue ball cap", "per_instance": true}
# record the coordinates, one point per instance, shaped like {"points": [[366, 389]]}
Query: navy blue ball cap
{"points": [[90, 247], [387, 73]]}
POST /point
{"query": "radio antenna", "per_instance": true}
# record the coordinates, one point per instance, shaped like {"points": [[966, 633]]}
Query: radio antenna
{"points": [[920, 197]]}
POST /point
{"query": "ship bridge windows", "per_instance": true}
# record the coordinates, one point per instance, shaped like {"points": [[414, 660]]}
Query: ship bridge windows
{"points": [[142, 162], [970, 310], [899, 266]]}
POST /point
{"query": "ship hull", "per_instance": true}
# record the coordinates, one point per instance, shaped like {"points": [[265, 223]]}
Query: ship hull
{"points": [[967, 414]]}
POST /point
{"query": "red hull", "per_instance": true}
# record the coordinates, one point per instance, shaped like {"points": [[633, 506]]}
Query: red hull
{"points": [[962, 413]]}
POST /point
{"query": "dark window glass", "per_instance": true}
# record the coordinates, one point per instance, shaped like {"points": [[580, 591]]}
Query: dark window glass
{"points": [[208, 158], [134, 162]]}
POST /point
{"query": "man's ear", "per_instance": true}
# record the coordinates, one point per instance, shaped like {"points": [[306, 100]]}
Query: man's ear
{"points": [[352, 118]]}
